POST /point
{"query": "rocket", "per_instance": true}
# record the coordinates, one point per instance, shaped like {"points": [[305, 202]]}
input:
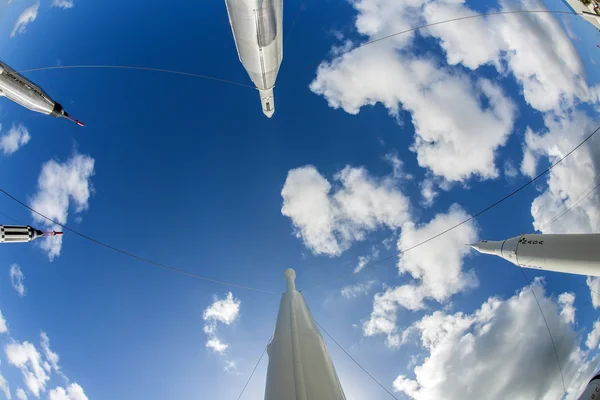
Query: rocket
{"points": [[592, 390], [300, 367], [19, 89], [569, 253], [257, 32], [22, 233]]}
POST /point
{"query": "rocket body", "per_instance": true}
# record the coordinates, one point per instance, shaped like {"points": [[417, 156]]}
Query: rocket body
{"points": [[300, 367], [22, 91], [592, 390], [257, 31], [22, 233], [569, 253]]}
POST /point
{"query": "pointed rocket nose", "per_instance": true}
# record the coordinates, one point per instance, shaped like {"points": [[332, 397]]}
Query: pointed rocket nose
{"points": [[488, 247], [269, 113]]}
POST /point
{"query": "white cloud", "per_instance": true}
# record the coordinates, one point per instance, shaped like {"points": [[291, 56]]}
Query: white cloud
{"points": [[568, 181], [456, 136], [510, 171], [4, 387], [363, 261], [567, 309], [27, 16], [59, 184], [3, 324], [224, 311], [18, 136], [501, 351], [328, 222], [359, 289], [16, 278], [25, 357], [593, 337], [533, 47], [63, 3], [435, 266], [216, 345], [51, 357], [21, 395], [230, 366], [594, 285], [73, 392]]}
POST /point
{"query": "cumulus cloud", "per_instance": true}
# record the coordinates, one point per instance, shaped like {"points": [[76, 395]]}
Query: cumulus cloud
{"points": [[60, 186], [20, 394], [532, 47], [570, 180], [16, 278], [504, 339], [594, 285], [359, 289], [3, 324], [27, 16], [25, 357], [63, 3], [225, 311], [17, 137], [4, 387], [436, 269], [72, 392], [456, 134], [330, 221]]}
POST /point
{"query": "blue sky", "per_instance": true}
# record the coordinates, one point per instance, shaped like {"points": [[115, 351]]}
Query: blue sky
{"points": [[370, 152]]}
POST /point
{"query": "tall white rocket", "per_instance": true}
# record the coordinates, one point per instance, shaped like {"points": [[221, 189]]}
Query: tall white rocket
{"points": [[257, 31], [569, 253], [300, 367]]}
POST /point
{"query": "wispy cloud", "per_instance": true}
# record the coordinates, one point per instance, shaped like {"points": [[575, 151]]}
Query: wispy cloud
{"points": [[25, 357], [3, 324], [63, 3], [4, 387], [359, 289], [27, 16], [17, 137], [16, 278]]}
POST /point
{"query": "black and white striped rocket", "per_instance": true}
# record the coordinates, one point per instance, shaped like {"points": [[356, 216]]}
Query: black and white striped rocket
{"points": [[22, 233], [22, 91]]}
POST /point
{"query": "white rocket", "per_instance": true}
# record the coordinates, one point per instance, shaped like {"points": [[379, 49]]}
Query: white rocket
{"points": [[570, 253], [257, 32], [22, 233], [592, 390], [22, 91], [299, 365]]}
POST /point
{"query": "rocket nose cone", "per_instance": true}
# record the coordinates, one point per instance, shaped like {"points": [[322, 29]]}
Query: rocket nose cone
{"points": [[488, 247], [269, 113]]}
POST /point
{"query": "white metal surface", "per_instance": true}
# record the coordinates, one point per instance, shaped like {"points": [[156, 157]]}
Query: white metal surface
{"points": [[570, 253], [257, 30], [300, 367], [592, 390], [24, 92]]}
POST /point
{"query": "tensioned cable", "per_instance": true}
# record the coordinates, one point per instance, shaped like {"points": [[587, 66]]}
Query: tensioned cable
{"points": [[572, 206], [131, 67], [172, 269], [547, 327], [168, 71], [455, 20], [355, 362], [469, 218], [252, 374]]}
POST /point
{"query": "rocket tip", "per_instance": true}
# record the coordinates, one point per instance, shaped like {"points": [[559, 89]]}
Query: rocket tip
{"points": [[79, 123], [58, 233]]}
